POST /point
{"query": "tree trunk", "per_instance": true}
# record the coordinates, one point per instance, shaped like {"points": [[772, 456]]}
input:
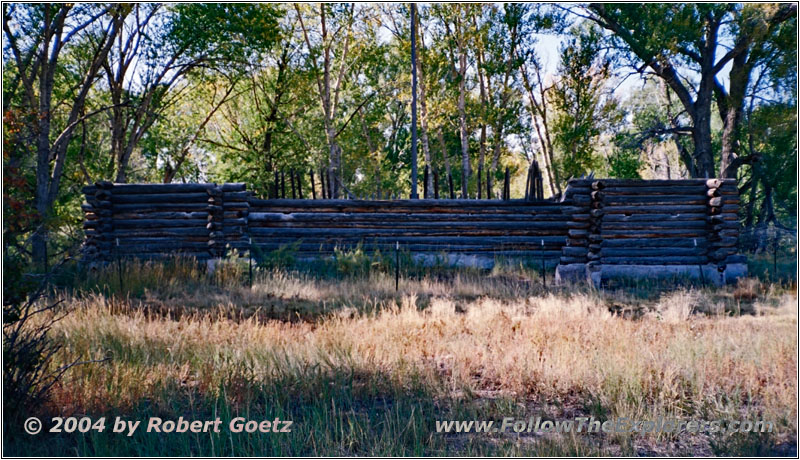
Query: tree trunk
{"points": [[423, 107], [462, 121], [414, 192]]}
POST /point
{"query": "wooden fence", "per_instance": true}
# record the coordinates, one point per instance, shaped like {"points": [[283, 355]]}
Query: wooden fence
{"points": [[658, 227], [635, 226]]}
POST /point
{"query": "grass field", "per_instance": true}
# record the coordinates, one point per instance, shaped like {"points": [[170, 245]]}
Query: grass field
{"points": [[364, 370]]}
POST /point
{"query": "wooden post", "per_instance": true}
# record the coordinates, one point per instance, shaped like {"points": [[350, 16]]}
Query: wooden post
{"points": [[397, 266], [250, 260], [488, 186], [507, 186], [528, 184], [544, 279], [322, 184], [450, 183], [313, 186], [541, 183], [299, 186], [480, 184], [291, 183], [425, 182]]}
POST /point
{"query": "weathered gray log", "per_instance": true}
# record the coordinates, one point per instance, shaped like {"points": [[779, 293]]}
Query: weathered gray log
{"points": [[333, 232], [171, 215], [234, 187], [656, 209], [654, 242], [673, 260], [175, 231], [654, 225], [158, 223], [684, 190], [144, 189], [681, 216], [236, 196], [652, 252], [571, 251], [156, 198], [670, 232], [158, 247], [160, 207], [511, 241], [561, 227], [257, 217], [648, 200]]}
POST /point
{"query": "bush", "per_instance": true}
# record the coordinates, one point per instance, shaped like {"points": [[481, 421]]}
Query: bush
{"points": [[27, 348]]}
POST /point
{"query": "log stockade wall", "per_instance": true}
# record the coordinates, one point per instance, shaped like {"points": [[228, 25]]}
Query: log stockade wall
{"points": [[642, 229], [600, 228]]}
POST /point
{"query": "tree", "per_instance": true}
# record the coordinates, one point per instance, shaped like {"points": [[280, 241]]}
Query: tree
{"points": [[38, 36], [676, 40], [582, 106]]}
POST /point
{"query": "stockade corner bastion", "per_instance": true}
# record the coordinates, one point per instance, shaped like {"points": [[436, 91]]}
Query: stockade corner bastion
{"points": [[600, 229]]}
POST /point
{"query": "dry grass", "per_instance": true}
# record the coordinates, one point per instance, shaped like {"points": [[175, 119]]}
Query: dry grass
{"points": [[467, 346]]}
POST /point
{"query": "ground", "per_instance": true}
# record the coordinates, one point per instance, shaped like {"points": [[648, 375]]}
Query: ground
{"points": [[362, 369]]}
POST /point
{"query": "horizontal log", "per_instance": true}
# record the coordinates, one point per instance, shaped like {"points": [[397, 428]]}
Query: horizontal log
{"points": [[606, 183], [151, 239], [687, 224], [676, 217], [234, 187], [652, 252], [670, 232], [511, 241], [158, 223], [176, 246], [450, 226], [160, 207], [673, 260], [199, 255], [143, 189], [154, 198], [632, 200], [571, 260], [236, 196], [328, 247], [257, 217], [177, 215], [684, 190], [175, 231], [571, 251], [388, 204], [656, 209], [370, 232], [654, 242]]}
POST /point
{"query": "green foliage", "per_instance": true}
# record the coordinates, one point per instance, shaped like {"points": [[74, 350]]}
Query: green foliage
{"points": [[581, 103], [283, 257]]}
